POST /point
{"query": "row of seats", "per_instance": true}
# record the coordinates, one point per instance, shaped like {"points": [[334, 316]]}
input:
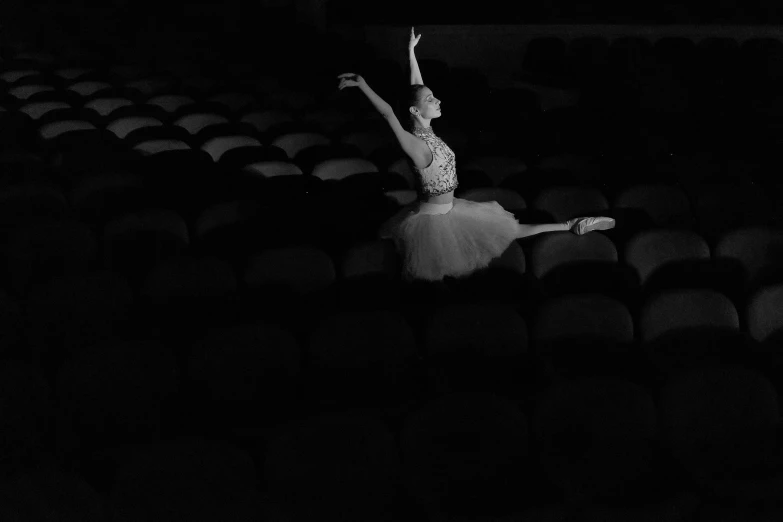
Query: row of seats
{"points": [[296, 143], [218, 229], [293, 141], [152, 82], [152, 261], [149, 128], [28, 81], [172, 92], [181, 120], [710, 209], [635, 208], [562, 186], [701, 208], [68, 315]]}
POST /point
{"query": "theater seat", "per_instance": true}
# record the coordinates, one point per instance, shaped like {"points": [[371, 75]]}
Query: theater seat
{"points": [[308, 158], [330, 120], [372, 257], [123, 392], [758, 249], [341, 168], [564, 203], [464, 451], [722, 208], [498, 168], [671, 259], [302, 269], [266, 119], [569, 264], [88, 88], [218, 146], [294, 143], [51, 493], [340, 363], [271, 169], [27, 203], [28, 412], [476, 330], [684, 309], [330, 467], [585, 315], [136, 242], [54, 129], [721, 425], [123, 126], [42, 251], [148, 147], [664, 206], [147, 476], [237, 367], [152, 85], [765, 313], [194, 123], [105, 106], [597, 439], [13, 75], [508, 199], [183, 295], [170, 102], [402, 167], [36, 110], [70, 316], [369, 141], [24, 92]]}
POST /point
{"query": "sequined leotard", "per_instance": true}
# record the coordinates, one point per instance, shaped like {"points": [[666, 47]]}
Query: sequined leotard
{"points": [[440, 176]]}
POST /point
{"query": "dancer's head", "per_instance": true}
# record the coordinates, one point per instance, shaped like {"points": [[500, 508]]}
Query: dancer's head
{"points": [[422, 105]]}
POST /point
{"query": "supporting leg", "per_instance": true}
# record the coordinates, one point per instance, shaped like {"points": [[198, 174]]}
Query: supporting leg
{"points": [[532, 230]]}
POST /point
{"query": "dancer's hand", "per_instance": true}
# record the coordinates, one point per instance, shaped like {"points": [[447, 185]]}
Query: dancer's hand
{"points": [[414, 40], [350, 80]]}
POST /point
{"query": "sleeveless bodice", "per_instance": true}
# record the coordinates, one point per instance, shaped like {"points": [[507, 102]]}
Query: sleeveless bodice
{"points": [[440, 176]]}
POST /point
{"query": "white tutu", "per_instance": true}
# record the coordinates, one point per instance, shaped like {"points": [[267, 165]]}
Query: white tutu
{"points": [[451, 239]]}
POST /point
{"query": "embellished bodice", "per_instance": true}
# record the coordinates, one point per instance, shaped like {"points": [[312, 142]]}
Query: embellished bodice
{"points": [[440, 176]]}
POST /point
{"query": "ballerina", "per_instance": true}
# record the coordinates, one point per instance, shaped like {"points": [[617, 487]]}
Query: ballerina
{"points": [[441, 235]]}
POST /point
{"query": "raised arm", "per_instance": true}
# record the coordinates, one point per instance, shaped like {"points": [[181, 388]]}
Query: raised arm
{"points": [[354, 80], [414, 147], [415, 73]]}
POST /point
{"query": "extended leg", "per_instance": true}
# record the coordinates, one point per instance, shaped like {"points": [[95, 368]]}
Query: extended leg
{"points": [[532, 230], [578, 226]]}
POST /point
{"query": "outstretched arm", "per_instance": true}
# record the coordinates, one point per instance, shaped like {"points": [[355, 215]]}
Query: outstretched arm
{"points": [[415, 73], [414, 147], [354, 80]]}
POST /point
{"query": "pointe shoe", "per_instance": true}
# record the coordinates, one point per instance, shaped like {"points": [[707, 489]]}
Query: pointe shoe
{"points": [[583, 225]]}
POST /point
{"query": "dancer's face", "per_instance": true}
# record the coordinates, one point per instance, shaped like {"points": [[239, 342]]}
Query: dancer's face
{"points": [[428, 106]]}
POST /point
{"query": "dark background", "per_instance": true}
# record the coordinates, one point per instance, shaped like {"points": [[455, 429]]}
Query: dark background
{"points": [[246, 14], [127, 22], [432, 12]]}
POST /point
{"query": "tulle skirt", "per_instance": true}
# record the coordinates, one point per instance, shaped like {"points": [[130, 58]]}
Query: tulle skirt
{"points": [[451, 239]]}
